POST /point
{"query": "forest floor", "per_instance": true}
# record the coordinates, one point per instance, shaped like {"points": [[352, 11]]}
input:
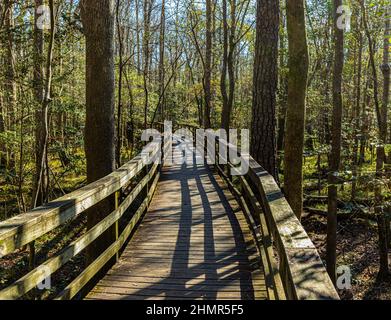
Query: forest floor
{"points": [[357, 248], [357, 236], [64, 179], [16, 265]]}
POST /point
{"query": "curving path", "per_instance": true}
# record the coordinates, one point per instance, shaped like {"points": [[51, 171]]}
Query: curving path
{"points": [[193, 243]]}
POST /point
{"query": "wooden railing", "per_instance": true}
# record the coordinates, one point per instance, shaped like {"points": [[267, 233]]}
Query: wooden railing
{"points": [[24, 229], [293, 267], [299, 273]]}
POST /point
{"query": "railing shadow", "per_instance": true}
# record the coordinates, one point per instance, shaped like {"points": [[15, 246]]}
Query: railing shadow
{"points": [[239, 238], [203, 279]]}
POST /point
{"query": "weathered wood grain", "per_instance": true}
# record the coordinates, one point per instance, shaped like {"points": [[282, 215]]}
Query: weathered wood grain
{"points": [[303, 274], [76, 285], [193, 243], [25, 228], [29, 281], [197, 241]]}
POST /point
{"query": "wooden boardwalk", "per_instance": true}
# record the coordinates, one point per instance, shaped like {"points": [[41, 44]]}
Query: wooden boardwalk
{"points": [[187, 237], [194, 243]]}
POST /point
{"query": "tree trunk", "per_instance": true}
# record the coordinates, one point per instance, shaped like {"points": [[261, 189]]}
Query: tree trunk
{"points": [[283, 90], [162, 38], [381, 158], [10, 76], [386, 70], [295, 118], [365, 118], [380, 216], [2, 125], [263, 134], [148, 5], [225, 114], [99, 22], [130, 127], [357, 115], [120, 77], [208, 64], [229, 47], [43, 92], [138, 49], [231, 65], [335, 156], [3, 149], [379, 116]]}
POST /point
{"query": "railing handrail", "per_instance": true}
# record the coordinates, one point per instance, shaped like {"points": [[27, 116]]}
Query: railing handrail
{"points": [[302, 271], [300, 268], [21, 230]]}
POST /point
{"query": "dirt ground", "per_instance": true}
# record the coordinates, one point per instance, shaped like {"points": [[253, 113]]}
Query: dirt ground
{"points": [[357, 248]]}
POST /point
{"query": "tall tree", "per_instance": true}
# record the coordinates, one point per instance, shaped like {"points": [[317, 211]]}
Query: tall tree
{"points": [[386, 69], [296, 105], [148, 6], [229, 48], [138, 50], [5, 9], [99, 23], [263, 134], [335, 156], [372, 62], [10, 73], [223, 82], [162, 38], [40, 181], [208, 64], [283, 87], [2, 130], [120, 79], [38, 82], [384, 270], [357, 109]]}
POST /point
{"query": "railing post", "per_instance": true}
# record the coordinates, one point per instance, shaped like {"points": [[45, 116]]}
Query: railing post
{"points": [[146, 174], [217, 151], [146, 169], [116, 225], [163, 150], [31, 247]]}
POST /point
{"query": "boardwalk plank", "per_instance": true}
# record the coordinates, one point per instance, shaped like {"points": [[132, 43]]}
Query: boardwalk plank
{"points": [[193, 243]]}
